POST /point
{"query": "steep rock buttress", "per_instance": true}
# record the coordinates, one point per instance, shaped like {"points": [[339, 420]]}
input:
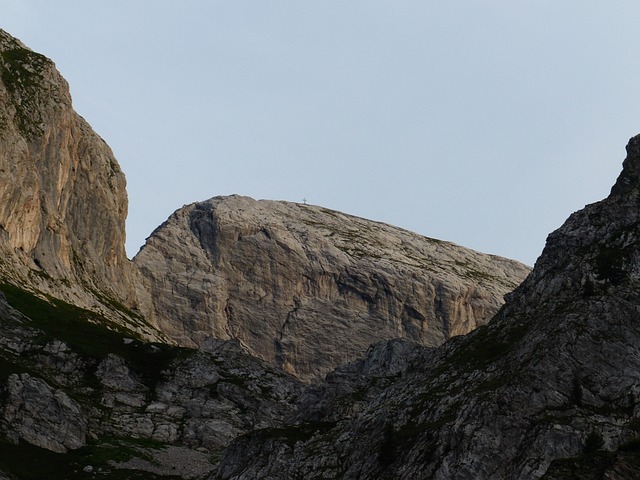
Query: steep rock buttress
{"points": [[63, 200]]}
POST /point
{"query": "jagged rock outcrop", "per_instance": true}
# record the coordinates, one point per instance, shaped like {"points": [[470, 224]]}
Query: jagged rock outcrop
{"points": [[63, 201], [307, 288], [549, 389]]}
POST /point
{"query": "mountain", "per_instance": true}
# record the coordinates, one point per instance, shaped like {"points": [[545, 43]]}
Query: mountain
{"points": [[550, 388], [307, 288], [63, 200], [97, 373], [290, 282]]}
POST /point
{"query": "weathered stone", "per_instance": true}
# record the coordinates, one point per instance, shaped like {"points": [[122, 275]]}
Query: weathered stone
{"points": [[307, 288], [43, 416], [114, 374]]}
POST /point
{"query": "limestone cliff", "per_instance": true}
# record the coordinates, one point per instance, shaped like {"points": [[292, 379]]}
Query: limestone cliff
{"points": [[307, 288], [549, 389], [63, 200]]}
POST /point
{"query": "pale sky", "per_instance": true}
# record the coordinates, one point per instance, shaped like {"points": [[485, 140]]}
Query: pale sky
{"points": [[485, 123]]}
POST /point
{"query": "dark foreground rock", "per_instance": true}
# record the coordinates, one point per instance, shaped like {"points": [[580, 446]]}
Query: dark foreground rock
{"points": [[117, 403]]}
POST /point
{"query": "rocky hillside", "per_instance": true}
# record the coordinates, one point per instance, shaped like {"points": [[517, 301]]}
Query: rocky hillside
{"points": [[63, 201], [77, 398], [306, 288], [549, 389]]}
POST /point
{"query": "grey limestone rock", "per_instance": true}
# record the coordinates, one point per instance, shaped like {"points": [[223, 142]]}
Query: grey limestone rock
{"points": [[41, 415], [307, 288]]}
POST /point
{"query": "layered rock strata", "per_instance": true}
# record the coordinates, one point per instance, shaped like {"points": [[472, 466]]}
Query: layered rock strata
{"points": [[307, 288]]}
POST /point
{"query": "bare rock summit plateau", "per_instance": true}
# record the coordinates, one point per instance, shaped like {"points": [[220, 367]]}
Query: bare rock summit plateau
{"points": [[307, 288]]}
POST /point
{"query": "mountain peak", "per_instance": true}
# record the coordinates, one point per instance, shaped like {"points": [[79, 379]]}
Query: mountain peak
{"points": [[629, 179], [308, 288]]}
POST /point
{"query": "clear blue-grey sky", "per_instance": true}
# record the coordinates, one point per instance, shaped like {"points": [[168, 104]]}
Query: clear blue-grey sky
{"points": [[485, 123]]}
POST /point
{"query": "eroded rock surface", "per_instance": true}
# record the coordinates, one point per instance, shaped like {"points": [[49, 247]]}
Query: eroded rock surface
{"points": [[307, 288]]}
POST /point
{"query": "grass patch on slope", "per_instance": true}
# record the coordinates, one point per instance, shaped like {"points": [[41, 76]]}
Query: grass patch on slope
{"points": [[28, 462], [86, 334]]}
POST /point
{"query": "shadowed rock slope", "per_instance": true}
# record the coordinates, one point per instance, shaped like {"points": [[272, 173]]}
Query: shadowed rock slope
{"points": [[549, 389], [307, 288], [74, 395]]}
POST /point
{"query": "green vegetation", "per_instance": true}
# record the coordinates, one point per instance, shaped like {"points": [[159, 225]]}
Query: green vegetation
{"points": [[593, 442], [608, 265], [291, 434], [597, 463], [28, 462], [389, 446], [485, 345], [632, 445], [21, 73], [86, 333], [22, 68], [576, 392], [593, 465], [634, 425]]}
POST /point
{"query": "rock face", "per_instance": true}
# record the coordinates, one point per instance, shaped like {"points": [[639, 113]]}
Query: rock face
{"points": [[63, 201], [42, 416], [549, 389], [307, 288]]}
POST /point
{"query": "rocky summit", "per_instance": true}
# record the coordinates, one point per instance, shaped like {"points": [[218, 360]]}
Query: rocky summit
{"points": [[307, 288]]}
